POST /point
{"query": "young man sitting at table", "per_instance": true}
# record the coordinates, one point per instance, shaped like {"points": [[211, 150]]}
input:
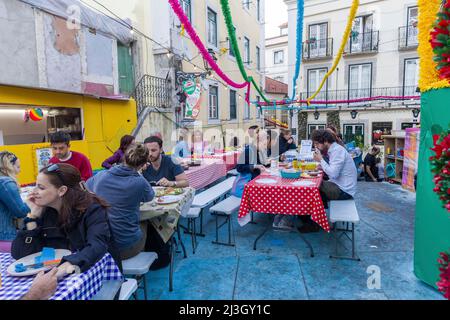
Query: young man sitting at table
{"points": [[340, 169], [162, 170], [370, 165], [60, 142]]}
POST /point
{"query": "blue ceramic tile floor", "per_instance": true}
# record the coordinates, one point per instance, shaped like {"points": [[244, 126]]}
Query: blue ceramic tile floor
{"points": [[281, 267]]}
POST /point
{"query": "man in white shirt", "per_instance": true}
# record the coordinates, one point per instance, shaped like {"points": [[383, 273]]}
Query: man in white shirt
{"points": [[340, 169]]}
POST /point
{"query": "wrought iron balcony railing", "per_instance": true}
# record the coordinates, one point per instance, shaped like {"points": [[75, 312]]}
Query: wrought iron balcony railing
{"points": [[347, 95], [152, 92], [318, 49], [407, 37], [366, 42]]}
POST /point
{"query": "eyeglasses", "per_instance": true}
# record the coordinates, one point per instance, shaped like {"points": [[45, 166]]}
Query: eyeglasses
{"points": [[54, 168]]}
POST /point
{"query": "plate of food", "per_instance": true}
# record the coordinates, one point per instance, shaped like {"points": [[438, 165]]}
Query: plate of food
{"points": [[27, 266], [168, 199], [313, 173], [162, 191]]}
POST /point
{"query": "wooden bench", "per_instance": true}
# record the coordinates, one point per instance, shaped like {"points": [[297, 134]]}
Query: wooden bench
{"points": [[344, 211], [225, 209], [138, 266], [211, 195]]}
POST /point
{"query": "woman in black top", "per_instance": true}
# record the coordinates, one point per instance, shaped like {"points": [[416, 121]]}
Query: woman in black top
{"points": [[65, 215], [253, 160]]}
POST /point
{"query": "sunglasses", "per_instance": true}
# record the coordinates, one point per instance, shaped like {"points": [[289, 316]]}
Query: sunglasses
{"points": [[54, 168], [12, 157]]}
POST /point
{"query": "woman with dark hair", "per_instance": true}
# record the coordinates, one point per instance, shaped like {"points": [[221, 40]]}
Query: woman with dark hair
{"points": [[124, 189], [65, 215], [117, 157], [338, 136]]}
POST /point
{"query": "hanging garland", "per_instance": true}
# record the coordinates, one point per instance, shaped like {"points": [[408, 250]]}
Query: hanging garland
{"points": [[440, 42], [234, 44], [178, 10], [444, 267], [440, 164], [346, 36], [429, 76], [298, 59]]}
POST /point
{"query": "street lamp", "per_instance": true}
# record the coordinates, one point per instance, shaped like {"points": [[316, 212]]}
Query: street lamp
{"points": [[316, 115], [354, 113], [205, 63], [415, 112]]}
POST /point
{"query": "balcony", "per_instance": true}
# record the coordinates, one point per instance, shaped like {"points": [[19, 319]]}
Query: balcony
{"points": [[383, 94], [152, 92], [407, 37], [318, 49], [360, 43]]}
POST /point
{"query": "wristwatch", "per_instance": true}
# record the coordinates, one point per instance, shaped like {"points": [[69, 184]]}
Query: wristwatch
{"points": [[174, 183], [27, 220]]}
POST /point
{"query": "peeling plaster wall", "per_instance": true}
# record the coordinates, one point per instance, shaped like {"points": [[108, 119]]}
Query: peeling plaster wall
{"points": [[38, 50], [18, 58], [62, 51]]}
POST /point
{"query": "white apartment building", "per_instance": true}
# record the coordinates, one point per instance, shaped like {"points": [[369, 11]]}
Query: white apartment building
{"points": [[380, 59], [277, 55]]}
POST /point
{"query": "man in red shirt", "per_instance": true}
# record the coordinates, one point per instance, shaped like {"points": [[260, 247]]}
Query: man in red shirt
{"points": [[60, 142]]}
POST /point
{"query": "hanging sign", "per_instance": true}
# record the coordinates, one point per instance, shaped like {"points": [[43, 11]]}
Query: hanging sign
{"points": [[193, 92]]}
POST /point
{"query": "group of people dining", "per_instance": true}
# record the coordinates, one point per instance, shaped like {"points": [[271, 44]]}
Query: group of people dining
{"points": [[340, 173], [70, 208]]}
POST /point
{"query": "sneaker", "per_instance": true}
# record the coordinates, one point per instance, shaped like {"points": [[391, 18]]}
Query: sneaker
{"points": [[285, 224]]}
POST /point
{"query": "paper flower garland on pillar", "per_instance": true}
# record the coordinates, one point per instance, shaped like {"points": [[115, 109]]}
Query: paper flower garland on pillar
{"points": [[440, 41], [440, 164], [444, 268]]}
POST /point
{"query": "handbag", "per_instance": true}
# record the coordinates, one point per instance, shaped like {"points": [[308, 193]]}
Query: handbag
{"points": [[239, 184], [32, 241]]}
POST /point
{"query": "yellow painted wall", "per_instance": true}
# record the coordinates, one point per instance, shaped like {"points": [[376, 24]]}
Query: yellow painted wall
{"points": [[105, 122]]}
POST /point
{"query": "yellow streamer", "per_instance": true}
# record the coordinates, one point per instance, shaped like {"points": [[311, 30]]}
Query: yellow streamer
{"points": [[429, 75], [348, 29]]}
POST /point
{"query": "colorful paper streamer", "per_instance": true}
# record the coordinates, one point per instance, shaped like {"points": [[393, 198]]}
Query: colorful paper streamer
{"points": [[178, 10], [299, 46], [345, 38], [232, 35]]}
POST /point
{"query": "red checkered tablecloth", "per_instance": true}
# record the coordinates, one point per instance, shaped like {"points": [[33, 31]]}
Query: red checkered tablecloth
{"points": [[283, 198], [210, 171], [230, 158]]}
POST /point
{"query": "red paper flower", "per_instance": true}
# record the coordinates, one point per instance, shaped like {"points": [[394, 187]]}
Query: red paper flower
{"points": [[444, 283], [440, 164]]}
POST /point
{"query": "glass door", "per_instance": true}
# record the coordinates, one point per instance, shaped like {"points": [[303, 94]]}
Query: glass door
{"points": [[412, 30], [315, 77]]}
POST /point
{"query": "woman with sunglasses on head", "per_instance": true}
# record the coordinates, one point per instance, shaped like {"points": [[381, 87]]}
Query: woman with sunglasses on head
{"points": [[11, 205], [65, 215]]}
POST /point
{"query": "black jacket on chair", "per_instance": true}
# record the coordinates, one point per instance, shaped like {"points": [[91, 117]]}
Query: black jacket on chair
{"points": [[88, 236]]}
